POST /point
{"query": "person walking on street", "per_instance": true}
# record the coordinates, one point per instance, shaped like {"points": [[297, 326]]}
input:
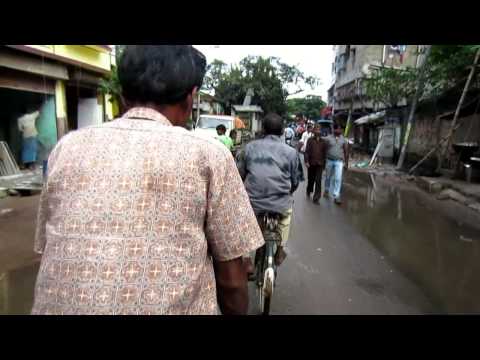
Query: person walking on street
{"points": [[302, 145], [315, 155], [139, 216], [337, 161]]}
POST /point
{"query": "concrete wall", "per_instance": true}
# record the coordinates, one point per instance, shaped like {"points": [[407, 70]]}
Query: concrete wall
{"points": [[363, 54], [425, 133]]}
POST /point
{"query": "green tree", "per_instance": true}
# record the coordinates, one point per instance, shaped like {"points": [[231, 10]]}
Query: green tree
{"points": [[111, 84], [309, 106], [387, 86], [269, 78]]}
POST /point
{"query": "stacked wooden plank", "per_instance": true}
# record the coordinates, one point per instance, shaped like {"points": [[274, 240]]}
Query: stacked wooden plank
{"points": [[8, 165]]}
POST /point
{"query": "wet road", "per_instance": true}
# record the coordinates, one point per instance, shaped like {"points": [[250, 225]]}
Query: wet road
{"points": [[383, 251]]}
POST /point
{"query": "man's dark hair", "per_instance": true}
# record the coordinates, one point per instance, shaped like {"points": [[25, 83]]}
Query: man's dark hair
{"points": [[161, 74], [221, 128], [273, 124]]}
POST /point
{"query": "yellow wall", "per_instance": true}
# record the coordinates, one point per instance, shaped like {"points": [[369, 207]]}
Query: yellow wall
{"points": [[60, 99], [92, 55], [61, 108], [111, 107], [85, 54]]}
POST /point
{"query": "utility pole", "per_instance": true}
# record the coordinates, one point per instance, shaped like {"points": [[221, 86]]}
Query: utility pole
{"points": [[418, 92]]}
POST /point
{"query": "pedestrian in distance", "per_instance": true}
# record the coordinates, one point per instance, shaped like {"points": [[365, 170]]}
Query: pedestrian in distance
{"points": [[315, 156], [337, 162]]}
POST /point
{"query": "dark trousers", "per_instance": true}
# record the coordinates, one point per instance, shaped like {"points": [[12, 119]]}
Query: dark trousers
{"points": [[315, 180]]}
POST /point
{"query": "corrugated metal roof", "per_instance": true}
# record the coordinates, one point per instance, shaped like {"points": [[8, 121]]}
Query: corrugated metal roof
{"points": [[370, 118]]}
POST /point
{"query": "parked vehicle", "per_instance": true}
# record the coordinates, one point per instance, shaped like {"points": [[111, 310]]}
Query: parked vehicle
{"points": [[207, 124]]}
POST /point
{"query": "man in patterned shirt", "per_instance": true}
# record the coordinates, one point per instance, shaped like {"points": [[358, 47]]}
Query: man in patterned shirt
{"points": [[138, 215]]}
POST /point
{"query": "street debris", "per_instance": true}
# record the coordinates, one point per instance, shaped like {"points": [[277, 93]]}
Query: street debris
{"points": [[5, 211], [361, 165], [8, 165], [463, 238]]}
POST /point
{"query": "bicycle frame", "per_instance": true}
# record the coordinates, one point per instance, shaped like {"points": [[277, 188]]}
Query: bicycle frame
{"points": [[266, 270]]}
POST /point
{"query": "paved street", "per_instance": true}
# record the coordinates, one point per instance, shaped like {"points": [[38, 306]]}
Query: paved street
{"points": [[383, 251], [332, 269], [366, 257]]}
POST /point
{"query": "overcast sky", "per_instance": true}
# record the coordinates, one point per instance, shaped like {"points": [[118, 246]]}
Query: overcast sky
{"points": [[311, 59]]}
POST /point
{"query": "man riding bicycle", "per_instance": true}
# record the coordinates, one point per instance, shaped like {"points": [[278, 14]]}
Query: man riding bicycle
{"points": [[271, 171]]}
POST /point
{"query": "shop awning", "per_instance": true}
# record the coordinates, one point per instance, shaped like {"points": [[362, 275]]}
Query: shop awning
{"points": [[371, 118]]}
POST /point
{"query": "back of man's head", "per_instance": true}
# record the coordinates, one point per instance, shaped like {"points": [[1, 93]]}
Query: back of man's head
{"points": [[273, 124], [160, 74], [221, 129]]}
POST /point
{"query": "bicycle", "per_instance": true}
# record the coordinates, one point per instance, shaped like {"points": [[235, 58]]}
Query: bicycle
{"points": [[265, 268]]}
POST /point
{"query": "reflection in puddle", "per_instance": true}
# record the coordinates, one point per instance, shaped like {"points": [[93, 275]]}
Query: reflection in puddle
{"points": [[16, 290], [437, 253]]}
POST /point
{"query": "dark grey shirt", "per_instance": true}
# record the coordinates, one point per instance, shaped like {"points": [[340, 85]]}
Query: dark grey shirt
{"points": [[271, 171]]}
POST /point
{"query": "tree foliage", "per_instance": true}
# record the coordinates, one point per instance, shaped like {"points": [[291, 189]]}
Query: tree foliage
{"points": [[269, 78], [386, 86], [310, 106], [111, 85]]}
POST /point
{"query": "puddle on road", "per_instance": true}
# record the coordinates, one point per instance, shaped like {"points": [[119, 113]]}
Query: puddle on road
{"points": [[16, 290], [436, 252]]}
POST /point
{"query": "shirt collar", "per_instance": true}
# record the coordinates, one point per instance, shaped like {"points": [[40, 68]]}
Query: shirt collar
{"points": [[147, 113], [273, 137]]}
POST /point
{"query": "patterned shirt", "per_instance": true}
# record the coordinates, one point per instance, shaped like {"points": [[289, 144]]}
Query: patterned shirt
{"points": [[131, 215]]}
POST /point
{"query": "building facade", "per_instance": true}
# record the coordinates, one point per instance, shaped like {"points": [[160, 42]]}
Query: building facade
{"points": [[347, 95], [354, 62], [59, 81]]}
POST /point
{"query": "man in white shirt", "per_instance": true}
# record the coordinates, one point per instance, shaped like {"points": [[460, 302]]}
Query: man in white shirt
{"points": [[302, 145], [289, 134], [26, 124]]}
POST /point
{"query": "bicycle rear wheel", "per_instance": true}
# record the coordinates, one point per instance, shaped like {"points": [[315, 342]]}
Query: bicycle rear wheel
{"points": [[267, 291], [268, 283]]}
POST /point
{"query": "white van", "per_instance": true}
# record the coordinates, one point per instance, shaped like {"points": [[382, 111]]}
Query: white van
{"points": [[207, 124]]}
